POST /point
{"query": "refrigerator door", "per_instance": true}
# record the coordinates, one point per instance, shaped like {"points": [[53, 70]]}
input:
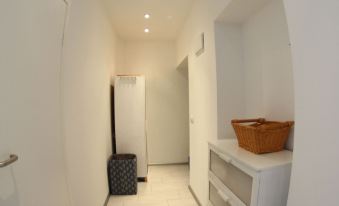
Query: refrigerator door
{"points": [[130, 119]]}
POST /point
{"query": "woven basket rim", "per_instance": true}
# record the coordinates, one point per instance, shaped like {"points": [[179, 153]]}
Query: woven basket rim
{"points": [[287, 124]]}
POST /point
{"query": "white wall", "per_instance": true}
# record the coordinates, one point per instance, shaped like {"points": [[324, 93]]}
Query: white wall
{"points": [[314, 35], [268, 64], [88, 65], [31, 33], [314, 32], [202, 89], [230, 77], [254, 67], [166, 98], [224, 61]]}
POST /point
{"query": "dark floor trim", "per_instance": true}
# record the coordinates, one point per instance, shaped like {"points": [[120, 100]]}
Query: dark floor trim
{"points": [[194, 195], [142, 179], [107, 199], [165, 164]]}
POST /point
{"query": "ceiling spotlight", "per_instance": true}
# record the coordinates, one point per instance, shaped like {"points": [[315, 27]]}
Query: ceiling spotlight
{"points": [[147, 16], [146, 30]]}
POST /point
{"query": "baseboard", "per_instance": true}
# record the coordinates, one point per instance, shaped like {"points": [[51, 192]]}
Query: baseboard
{"points": [[107, 199], [194, 195], [164, 164]]}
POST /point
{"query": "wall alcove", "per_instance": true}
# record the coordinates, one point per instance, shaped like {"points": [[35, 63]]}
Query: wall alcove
{"points": [[254, 64]]}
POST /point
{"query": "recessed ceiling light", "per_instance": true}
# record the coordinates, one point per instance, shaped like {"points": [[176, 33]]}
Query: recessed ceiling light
{"points": [[146, 30], [147, 16]]}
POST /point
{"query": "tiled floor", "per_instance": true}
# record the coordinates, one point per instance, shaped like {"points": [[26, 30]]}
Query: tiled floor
{"points": [[167, 186]]}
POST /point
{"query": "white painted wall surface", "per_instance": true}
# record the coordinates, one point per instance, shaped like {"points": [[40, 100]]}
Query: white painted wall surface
{"points": [[89, 62], [260, 72], [269, 83], [314, 32], [254, 69], [230, 77], [202, 89], [166, 98], [30, 121], [268, 64]]}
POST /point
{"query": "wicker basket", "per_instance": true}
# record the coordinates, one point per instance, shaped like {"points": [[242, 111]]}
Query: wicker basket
{"points": [[261, 136]]}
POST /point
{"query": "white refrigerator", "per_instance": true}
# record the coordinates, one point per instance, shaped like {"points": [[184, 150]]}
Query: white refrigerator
{"points": [[130, 119]]}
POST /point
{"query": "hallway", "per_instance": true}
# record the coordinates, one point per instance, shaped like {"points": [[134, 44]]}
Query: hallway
{"points": [[167, 186], [204, 63]]}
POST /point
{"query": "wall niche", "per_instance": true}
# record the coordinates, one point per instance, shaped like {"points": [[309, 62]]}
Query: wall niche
{"points": [[254, 65]]}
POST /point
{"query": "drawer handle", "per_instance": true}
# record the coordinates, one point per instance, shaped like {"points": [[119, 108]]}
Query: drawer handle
{"points": [[225, 158], [223, 196]]}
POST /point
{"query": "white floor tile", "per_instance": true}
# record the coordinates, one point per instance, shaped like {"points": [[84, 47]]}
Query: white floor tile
{"points": [[182, 202], [167, 186], [153, 202]]}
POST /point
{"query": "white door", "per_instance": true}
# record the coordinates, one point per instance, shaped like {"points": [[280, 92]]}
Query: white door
{"points": [[30, 51]]}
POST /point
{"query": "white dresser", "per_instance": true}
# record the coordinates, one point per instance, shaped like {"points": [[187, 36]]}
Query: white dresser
{"points": [[240, 178]]}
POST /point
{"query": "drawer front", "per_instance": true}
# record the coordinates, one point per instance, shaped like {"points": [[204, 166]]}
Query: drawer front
{"points": [[215, 197], [232, 177]]}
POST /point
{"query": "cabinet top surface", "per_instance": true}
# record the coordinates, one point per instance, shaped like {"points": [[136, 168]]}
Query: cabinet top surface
{"points": [[257, 162]]}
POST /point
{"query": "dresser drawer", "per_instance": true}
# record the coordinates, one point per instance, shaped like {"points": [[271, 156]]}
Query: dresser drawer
{"points": [[232, 177], [217, 198]]}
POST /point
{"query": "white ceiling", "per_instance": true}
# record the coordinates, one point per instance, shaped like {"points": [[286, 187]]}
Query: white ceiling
{"points": [[239, 11], [167, 18]]}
